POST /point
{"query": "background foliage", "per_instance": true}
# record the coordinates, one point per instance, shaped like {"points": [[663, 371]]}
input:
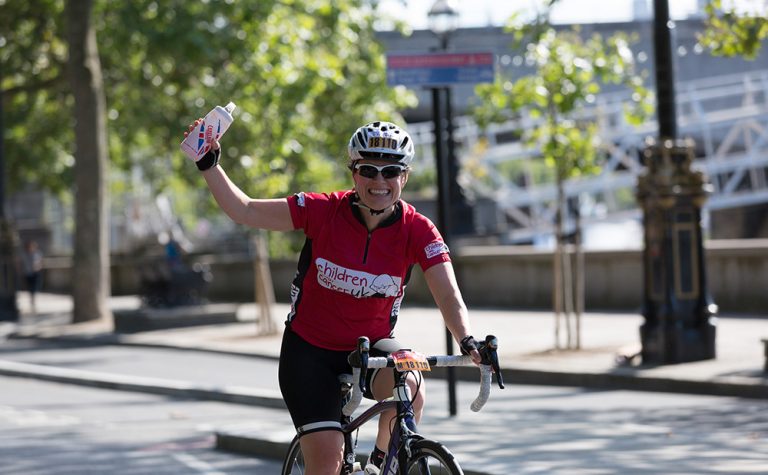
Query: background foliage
{"points": [[303, 73], [568, 71], [731, 33]]}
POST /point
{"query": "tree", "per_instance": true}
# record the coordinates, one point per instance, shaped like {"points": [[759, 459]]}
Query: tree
{"points": [[730, 33], [568, 70], [90, 269], [303, 73], [38, 104]]}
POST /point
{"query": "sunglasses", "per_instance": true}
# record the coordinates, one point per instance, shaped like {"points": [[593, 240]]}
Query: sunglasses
{"points": [[387, 171]]}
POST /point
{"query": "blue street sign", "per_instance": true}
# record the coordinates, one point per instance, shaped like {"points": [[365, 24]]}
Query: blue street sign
{"points": [[439, 69]]}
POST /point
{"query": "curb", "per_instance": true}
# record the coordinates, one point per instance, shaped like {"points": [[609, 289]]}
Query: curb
{"points": [[620, 378], [164, 387], [147, 319], [239, 442], [616, 380], [636, 383], [273, 399]]}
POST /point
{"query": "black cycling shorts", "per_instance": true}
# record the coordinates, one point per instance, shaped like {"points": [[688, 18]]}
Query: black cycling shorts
{"points": [[309, 381]]}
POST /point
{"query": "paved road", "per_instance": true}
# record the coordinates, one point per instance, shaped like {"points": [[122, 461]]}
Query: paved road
{"points": [[573, 431], [54, 429], [210, 368], [524, 429]]}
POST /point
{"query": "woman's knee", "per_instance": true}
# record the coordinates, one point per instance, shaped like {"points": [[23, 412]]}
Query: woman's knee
{"points": [[383, 383], [418, 392], [323, 452]]}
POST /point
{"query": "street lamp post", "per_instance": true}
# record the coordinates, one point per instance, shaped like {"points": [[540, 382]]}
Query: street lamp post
{"points": [[443, 20], [678, 309]]}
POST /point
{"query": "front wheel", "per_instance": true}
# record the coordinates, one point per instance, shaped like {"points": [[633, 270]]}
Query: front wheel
{"points": [[294, 459], [431, 458]]}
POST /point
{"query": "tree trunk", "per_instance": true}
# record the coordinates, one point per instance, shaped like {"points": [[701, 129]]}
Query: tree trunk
{"points": [[90, 272], [264, 291], [557, 261], [580, 274], [565, 278], [557, 290]]}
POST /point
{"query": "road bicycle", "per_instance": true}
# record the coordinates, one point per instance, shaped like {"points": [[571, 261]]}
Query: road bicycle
{"points": [[408, 452]]}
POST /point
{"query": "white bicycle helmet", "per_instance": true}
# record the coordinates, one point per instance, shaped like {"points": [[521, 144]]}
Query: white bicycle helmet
{"points": [[382, 141]]}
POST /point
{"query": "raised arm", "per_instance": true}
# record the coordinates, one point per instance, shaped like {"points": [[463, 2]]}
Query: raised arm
{"points": [[441, 281], [272, 214]]}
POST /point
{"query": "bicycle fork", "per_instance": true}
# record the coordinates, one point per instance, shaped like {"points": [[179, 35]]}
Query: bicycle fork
{"points": [[395, 460]]}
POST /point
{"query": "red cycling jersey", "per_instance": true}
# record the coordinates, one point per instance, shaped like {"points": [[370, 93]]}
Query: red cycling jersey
{"points": [[350, 282]]}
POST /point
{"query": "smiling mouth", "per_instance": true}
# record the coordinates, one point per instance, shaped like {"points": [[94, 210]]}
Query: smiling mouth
{"points": [[379, 192]]}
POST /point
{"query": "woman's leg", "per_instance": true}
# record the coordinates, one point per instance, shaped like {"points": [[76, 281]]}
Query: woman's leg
{"points": [[32, 283], [382, 388], [323, 452], [309, 383]]}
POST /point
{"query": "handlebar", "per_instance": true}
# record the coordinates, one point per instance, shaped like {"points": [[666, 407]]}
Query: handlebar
{"points": [[361, 362]]}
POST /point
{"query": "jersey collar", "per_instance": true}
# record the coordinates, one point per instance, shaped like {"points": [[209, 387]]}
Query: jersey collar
{"points": [[392, 219]]}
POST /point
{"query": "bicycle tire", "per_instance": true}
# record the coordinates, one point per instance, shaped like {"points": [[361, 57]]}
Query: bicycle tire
{"points": [[433, 454], [293, 463]]}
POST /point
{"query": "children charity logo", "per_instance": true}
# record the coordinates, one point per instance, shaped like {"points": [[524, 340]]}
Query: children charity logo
{"points": [[356, 283]]}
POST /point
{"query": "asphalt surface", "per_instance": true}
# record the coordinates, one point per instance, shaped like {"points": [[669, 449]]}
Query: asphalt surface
{"points": [[58, 351], [64, 429]]}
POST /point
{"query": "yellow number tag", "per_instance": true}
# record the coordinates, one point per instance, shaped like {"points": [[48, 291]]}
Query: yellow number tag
{"points": [[406, 360], [382, 142]]}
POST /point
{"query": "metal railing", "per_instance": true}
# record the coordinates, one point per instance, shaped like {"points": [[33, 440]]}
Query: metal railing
{"points": [[727, 116]]}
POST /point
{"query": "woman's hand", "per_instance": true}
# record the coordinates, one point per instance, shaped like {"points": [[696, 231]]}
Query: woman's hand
{"points": [[214, 143], [211, 157], [468, 346]]}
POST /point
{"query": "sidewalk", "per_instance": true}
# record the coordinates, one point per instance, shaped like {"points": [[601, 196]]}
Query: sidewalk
{"points": [[526, 341], [526, 356]]}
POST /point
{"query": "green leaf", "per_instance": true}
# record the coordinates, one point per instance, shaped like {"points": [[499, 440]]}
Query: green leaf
{"points": [[304, 74], [568, 71]]}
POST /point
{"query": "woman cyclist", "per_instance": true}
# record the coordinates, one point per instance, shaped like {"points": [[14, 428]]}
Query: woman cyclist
{"points": [[360, 247]]}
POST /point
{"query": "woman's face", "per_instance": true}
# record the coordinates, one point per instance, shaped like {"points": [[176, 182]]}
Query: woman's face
{"points": [[378, 192]]}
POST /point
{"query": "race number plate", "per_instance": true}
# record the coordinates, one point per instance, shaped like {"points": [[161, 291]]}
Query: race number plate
{"points": [[407, 360]]}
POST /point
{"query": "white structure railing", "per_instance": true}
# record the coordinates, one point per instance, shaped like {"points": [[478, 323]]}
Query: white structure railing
{"points": [[727, 116]]}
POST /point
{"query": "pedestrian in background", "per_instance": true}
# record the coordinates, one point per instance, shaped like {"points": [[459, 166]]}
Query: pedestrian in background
{"points": [[32, 267]]}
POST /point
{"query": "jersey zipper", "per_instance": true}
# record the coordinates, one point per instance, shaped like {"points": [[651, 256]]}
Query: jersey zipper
{"points": [[367, 243]]}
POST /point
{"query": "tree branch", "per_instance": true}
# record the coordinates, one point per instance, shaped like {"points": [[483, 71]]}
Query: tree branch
{"points": [[34, 85]]}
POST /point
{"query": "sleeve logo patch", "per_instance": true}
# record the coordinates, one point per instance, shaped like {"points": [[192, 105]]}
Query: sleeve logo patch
{"points": [[435, 249], [300, 199]]}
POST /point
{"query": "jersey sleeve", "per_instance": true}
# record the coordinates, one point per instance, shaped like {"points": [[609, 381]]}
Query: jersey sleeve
{"points": [[428, 245], [309, 211]]}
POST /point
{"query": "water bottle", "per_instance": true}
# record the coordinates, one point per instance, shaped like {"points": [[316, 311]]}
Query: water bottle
{"points": [[214, 124]]}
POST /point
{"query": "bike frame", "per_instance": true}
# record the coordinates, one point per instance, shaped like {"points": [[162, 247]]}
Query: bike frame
{"points": [[399, 450], [401, 403], [352, 425]]}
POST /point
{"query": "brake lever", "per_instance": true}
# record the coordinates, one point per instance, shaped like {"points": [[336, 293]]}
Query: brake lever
{"points": [[363, 347], [490, 357]]}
